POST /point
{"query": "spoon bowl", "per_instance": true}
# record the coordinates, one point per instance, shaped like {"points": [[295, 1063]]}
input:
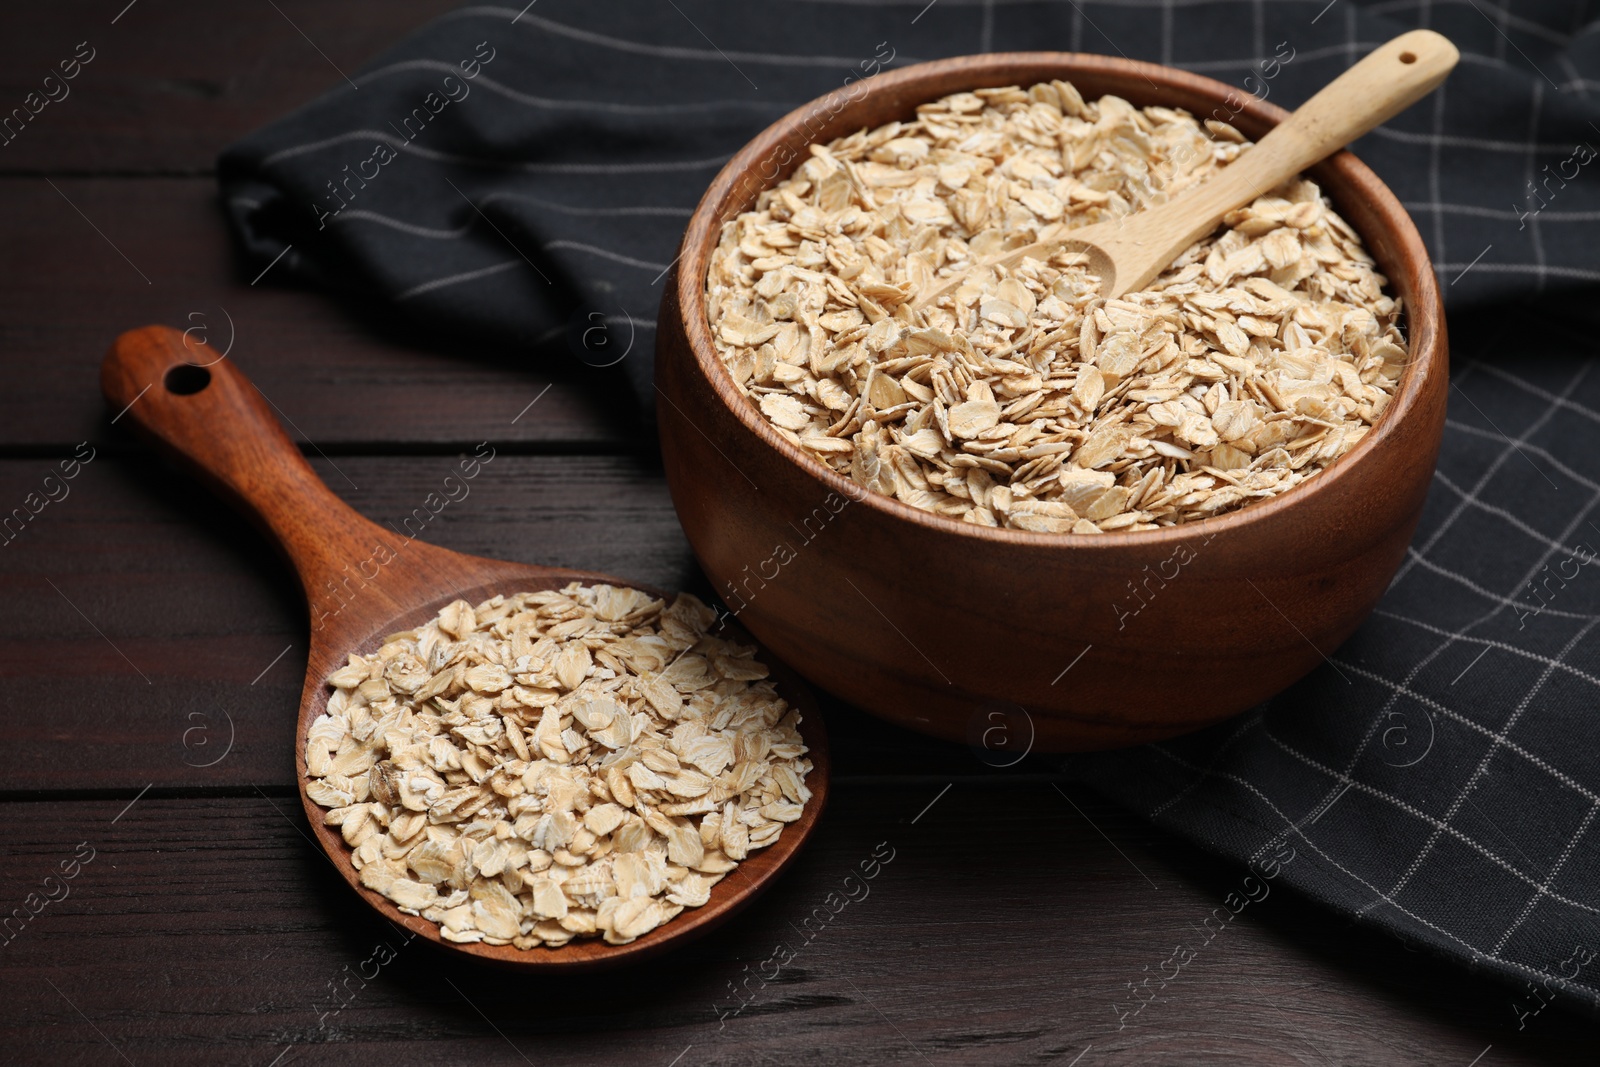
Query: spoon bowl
{"points": [[362, 582]]}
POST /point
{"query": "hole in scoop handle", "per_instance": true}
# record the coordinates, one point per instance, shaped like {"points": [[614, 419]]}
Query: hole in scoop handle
{"points": [[201, 410]]}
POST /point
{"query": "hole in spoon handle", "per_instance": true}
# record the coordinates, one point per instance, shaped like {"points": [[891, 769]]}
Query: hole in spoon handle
{"points": [[1388, 80], [186, 379], [202, 411]]}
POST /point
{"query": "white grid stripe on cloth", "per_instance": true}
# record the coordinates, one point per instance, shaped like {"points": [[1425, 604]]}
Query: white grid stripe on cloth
{"points": [[1543, 394], [1483, 764], [1473, 951], [1488, 594], [1295, 829], [1473, 724], [1504, 514], [1440, 826], [1543, 889], [1512, 447], [1527, 446]]}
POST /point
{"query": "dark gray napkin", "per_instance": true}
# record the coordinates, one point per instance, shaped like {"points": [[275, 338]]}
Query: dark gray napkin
{"points": [[525, 174]]}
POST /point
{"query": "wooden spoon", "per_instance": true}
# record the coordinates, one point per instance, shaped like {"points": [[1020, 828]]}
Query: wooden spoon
{"points": [[363, 581], [1127, 254]]}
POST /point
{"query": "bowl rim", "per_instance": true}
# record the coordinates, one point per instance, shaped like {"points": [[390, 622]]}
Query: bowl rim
{"points": [[1423, 320]]}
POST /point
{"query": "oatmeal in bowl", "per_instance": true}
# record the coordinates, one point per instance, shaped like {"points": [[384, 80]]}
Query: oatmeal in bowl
{"points": [[1023, 398]]}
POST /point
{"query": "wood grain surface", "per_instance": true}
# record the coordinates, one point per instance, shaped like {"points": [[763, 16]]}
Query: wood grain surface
{"points": [[208, 929], [310, 356], [171, 84]]}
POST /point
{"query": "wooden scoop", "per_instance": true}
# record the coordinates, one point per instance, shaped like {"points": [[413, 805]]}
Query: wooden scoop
{"points": [[363, 581], [1128, 253]]}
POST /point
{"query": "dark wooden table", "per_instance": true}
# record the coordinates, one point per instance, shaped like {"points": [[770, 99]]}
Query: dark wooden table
{"points": [[152, 647]]}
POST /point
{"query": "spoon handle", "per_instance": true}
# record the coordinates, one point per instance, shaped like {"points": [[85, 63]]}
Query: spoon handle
{"points": [[1390, 79], [204, 412]]}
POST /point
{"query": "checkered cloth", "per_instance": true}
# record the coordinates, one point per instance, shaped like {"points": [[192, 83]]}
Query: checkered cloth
{"points": [[526, 173]]}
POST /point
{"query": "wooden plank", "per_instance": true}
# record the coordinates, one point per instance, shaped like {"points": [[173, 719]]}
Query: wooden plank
{"points": [[345, 378], [155, 624], [1003, 929], [169, 85]]}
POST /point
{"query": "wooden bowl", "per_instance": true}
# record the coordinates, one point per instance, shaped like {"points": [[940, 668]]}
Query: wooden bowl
{"points": [[931, 622]]}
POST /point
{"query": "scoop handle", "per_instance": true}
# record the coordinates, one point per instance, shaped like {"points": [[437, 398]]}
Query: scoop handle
{"points": [[201, 410], [1390, 79]]}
